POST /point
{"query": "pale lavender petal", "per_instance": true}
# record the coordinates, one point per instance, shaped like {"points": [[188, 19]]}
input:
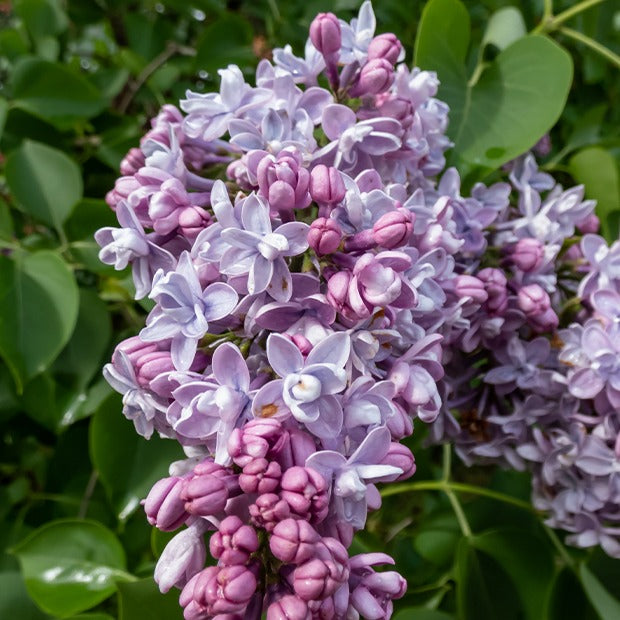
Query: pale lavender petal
{"points": [[284, 357], [261, 274], [335, 349], [336, 119], [219, 299], [229, 367]]}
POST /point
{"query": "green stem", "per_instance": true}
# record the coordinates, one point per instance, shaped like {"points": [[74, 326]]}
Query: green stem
{"points": [[595, 46], [458, 487], [547, 10], [553, 23], [459, 513], [560, 548]]}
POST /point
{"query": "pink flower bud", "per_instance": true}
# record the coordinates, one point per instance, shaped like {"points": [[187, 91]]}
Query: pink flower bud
{"points": [[590, 224], [470, 286], [260, 476], [268, 510], [234, 542], [495, 285], [375, 77], [302, 343], [207, 491], [325, 34], [400, 456], [293, 541], [528, 254], [386, 46], [164, 507], [132, 162], [326, 185], [305, 491], [393, 229], [317, 578], [533, 300], [289, 607], [324, 236], [255, 440]]}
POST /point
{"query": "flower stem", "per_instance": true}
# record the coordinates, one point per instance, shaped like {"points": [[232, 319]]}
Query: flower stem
{"points": [[595, 46], [458, 487], [550, 23]]}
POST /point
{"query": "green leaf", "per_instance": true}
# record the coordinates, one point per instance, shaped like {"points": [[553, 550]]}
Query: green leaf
{"points": [[42, 17], [4, 109], [491, 118], [38, 310], [137, 597], [597, 169], [83, 354], [527, 559], [91, 617], [71, 565], [504, 27], [437, 545], [54, 92], [14, 600], [568, 599], [607, 607], [46, 183], [421, 613], [484, 591], [226, 41], [128, 464]]}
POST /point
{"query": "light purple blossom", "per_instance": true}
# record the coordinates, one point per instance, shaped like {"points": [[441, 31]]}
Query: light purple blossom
{"points": [[183, 310]]}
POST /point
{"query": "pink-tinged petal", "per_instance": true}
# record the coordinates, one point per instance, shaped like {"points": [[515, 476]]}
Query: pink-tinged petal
{"points": [[230, 368], [220, 300], [585, 383], [336, 119], [284, 357], [260, 275], [335, 349]]}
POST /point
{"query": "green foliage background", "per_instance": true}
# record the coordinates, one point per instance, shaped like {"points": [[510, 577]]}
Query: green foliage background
{"points": [[79, 80]]}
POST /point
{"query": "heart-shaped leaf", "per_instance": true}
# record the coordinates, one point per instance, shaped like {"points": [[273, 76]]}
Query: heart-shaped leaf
{"points": [[38, 309], [46, 183], [71, 565], [502, 109]]}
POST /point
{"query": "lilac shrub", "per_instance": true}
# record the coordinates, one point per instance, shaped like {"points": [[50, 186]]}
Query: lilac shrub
{"points": [[317, 288]]}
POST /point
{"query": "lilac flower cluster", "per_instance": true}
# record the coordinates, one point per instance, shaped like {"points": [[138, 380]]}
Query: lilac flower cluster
{"points": [[316, 288], [532, 375]]}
